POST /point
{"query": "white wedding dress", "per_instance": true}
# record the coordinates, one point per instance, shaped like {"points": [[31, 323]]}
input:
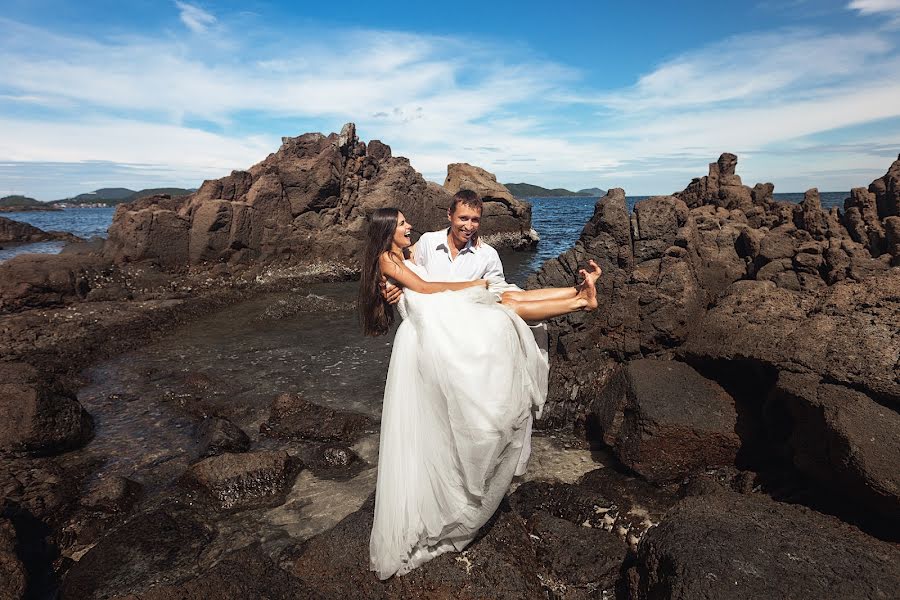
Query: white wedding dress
{"points": [[465, 378]]}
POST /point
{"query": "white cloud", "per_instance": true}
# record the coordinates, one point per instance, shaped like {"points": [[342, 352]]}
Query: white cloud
{"points": [[195, 18], [889, 8], [188, 106]]}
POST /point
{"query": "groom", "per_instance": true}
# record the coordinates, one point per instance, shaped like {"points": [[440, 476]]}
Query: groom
{"points": [[455, 254]]}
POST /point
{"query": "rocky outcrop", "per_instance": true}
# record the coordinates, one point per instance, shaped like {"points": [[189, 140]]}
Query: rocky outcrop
{"points": [[887, 191], [665, 421], [749, 291], [732, 546], [506, 221], [19, 232], [307, 203], [39, 415]]}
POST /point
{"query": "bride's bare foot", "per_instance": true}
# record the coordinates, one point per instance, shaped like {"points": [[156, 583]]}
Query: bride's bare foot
{"points": [[588, 288]]}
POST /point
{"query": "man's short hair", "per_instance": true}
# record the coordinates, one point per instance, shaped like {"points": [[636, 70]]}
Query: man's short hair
{"points": [[468, 198]]}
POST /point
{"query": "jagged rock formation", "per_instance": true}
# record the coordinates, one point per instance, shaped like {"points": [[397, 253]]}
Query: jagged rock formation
{"points": [[306, 203], [506, 219], [749, 291]]}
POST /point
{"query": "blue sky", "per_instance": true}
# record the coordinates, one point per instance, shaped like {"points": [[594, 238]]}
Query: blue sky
{"points": [[579, 94]]}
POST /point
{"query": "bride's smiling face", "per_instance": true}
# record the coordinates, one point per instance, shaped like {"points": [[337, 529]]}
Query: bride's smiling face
{"points": [[402, 232]]}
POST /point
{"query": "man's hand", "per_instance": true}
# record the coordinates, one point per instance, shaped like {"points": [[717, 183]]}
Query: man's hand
{"points": [[390, 292]]}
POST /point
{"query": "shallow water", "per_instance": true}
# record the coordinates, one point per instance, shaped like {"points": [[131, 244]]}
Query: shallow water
{"points": [[148, 402]]}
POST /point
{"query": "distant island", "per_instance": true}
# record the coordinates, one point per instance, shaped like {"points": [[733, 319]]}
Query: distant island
{"points": [[17, 203], [528, 190], [114, 196], [101, 198]]}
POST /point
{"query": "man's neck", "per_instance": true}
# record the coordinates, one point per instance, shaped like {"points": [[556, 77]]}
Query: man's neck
{"points": [[454, 248]]}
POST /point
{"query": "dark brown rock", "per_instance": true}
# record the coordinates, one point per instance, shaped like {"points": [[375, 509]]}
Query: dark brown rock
{"points": [[844, 440], [19, 232], [892, 239], [845, 333], [221, 435], [576, 558], [247, 573], [887, 191], [305, 204], [732, 546], [38, 414], [500, 565], [40, 280], [113, 494], [294, 417], [260, 478], [664, 420], [12, 571], [154, 548], [862, 221]]}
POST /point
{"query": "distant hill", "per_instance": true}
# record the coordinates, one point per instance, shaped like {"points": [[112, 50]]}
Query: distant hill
{"points": [[114, 196], [18, 200], [592, 192], [527, 190]]}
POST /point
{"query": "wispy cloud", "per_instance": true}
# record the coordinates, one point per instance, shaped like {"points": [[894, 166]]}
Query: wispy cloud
{"points": [[888, 8], [195, 18]]}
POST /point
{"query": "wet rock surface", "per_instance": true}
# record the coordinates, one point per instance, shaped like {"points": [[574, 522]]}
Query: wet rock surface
{"points": [[111, 494], [38, 413], [152, 548], [294, 417], [747, 546], [244, 480], [217, 436]]}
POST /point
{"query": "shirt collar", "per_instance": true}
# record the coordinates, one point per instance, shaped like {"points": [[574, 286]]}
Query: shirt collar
{"points": [[442, 244]]}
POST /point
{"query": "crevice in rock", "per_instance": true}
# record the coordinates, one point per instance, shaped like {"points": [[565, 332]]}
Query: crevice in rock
{"points": [[37, 553]]}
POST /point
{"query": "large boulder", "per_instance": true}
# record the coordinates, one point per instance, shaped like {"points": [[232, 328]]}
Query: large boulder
{"points": [[305, 204], [38, 414], [42, 280], [250, 479], [844, 440], [665, 421], [506, 221], [731, 547], [845, 333]]}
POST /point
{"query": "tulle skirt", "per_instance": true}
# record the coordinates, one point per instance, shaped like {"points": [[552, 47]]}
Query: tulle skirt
{"points": [[465, 379]]}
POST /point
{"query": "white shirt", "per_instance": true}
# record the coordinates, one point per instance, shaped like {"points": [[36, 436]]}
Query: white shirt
{"points": [[472, 262]]}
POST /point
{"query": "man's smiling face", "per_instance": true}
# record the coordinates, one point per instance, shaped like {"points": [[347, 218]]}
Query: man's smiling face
{"points": [[464, 223]]}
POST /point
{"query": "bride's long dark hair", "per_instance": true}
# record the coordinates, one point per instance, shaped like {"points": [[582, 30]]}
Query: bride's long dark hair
{"points": [[376, 314]]}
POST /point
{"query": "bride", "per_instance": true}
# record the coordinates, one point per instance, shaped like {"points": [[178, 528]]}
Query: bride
{"points": [[464, 378]]}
